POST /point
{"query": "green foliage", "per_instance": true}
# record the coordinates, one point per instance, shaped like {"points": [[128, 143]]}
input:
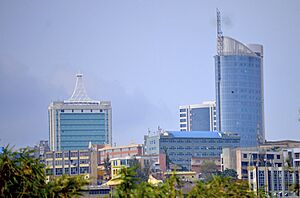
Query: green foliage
{"points": [[208, 169], [229, 173], [66, 186], [128, 184], [221, 187], [132, 187], [23, 176]]}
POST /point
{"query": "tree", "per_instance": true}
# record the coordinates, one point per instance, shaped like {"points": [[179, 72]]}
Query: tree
{"points": [[107, 166], [221, 187], [66, 186], [208, 169], [21, 175], [229, 173], [128, 182]]}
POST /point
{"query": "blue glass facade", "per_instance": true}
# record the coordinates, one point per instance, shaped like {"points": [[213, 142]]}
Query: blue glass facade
{"points": [[239, 94], [181, 146], [78, 129], [78, 121], [200, 119]]}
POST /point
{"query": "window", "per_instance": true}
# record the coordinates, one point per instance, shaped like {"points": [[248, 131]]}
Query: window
{"points": [[278, 156], [58, 171], [58, 155], [182, 110], [84, 170], [183, 125], [49, 171], [270, 156], [244, 155], [74, 170]]}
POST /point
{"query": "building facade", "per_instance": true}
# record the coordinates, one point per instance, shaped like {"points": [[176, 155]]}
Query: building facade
{"points": [[79, 121], [72, 162], [198, 117], [277, 181], [274, 170], [181, 146], [239, 90], [119, 151]]}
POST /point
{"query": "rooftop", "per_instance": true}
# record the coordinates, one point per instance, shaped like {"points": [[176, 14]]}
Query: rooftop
{"points": [[193, 134]]}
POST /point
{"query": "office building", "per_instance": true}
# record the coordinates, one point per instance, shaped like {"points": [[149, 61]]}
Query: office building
{"points": [[198, 117], [181, 146], [72, 162], [274, 170], [239, 89], [76, 123]]}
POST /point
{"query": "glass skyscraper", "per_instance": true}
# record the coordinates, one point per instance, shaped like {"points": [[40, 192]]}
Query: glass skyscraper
{"points": [[79, 121], [239, 90]]}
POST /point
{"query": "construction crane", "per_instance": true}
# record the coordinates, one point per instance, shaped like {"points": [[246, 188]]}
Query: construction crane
{"points": [[219, 34]]}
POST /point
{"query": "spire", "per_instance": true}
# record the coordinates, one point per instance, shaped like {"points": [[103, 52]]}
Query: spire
{"points": [[79, 93]]}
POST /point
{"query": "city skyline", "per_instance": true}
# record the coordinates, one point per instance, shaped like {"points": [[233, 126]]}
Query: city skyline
{"points": [[140, 55]]}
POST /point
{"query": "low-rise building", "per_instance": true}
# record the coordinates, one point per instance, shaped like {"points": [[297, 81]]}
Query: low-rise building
{"points": [[180, 146], [149, 163], [119, 152], [196, 162]]}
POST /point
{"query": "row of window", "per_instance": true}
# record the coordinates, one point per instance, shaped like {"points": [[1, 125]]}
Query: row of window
{"points": [[63, 110], [71, 171]]}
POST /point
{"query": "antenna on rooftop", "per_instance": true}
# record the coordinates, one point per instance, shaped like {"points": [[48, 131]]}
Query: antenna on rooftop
{"points": [[219, 34]]}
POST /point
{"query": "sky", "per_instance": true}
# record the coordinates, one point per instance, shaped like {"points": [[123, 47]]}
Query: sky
{"points": [[146, 56]]}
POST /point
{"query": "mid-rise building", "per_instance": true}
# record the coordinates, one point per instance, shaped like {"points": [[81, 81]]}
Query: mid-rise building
{"points": [[239, 89], [72, 162], [79, 121], [198, 117], [181, 146], [274, 170]]}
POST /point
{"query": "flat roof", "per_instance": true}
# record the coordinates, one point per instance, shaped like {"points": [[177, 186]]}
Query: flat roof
{"points": [[195, 134]]}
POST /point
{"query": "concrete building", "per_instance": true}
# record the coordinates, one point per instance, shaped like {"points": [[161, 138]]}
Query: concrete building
{"points": [[198, 117], [79, 121], [150, 163], [275, 170], [239, 89], [119, 151], [72, 162], [180, 146], [277, 181]]}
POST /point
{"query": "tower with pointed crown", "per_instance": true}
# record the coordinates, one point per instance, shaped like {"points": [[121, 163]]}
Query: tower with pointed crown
{"points": [[79, 121]]}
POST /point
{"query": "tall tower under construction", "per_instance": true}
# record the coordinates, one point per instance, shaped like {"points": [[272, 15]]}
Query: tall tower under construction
{"points": [[239, 88]]}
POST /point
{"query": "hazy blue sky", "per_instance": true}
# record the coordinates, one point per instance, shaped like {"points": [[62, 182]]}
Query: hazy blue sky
{"points": [[146, 56]]}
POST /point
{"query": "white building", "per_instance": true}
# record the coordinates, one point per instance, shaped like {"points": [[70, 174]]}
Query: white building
{"points": [[198, 117]]}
